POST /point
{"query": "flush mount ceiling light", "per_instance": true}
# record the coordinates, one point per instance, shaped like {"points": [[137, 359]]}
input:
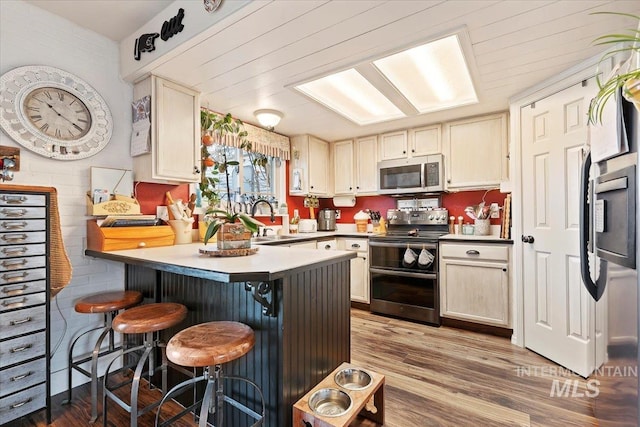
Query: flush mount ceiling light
{"points": [[268, 118], [430, 77]]}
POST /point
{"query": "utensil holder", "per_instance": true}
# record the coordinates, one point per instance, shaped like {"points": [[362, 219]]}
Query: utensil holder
{"points": [[182, 230], [482, 227], [361, 225]]}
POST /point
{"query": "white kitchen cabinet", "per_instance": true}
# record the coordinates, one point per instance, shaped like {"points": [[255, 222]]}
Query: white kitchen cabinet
{"points": [[474, 282], [310, 166], [355, 166], [175, 133], [393, 145], [425, 140], [310, 244], [476, 152], [328, 245], [359, 268]]}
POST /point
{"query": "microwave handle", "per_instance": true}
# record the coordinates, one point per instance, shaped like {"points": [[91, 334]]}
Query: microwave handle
{"points": [[423, 179]]}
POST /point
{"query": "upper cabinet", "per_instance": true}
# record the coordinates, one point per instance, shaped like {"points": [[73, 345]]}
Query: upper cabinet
{"points": [[310, 166], [476, 152], [175, 133], [404, 144], [355, 166]]}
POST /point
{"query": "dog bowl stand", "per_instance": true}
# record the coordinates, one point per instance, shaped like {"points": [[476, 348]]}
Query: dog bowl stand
{"points": [[304, 416]]}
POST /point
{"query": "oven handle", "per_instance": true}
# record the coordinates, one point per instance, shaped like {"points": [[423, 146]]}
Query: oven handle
{"points": [[403, 245], [404, 273]]}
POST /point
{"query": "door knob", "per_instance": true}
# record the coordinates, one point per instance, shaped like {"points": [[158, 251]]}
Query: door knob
{"points": [[528, 239]]}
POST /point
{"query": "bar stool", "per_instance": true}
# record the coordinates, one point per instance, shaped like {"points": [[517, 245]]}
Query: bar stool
{"points": [[146, 319], [208, 346], [109, 304]]}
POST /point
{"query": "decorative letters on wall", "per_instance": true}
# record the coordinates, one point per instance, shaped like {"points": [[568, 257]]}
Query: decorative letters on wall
{"points": [[146, 42]]}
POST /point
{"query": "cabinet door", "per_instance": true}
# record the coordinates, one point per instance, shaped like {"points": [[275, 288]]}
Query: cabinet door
{"points": [[425, 140], [393, 145], [477, 152], [177, 136], [360, 278], [475, 291], [366, 150], [343, 167], [318, 166]]}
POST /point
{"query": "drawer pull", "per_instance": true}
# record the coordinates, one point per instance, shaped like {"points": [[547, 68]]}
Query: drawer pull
{"points": [[8, 303], [6, 290], [14, 263], [21, 377], [14, 200], [20, 322], [15, 277], [14, 225], [355, 245], [327, 247], [14, 212], [472, 252], [19, 404], [14, 237], [16, 250], [22, 348]]}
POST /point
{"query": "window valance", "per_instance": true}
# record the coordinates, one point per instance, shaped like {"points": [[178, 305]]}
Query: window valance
{"points": [[262, 141]]}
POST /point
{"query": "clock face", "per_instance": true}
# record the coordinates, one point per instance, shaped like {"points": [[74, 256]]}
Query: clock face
{"points": [[53, 113], [57, 113]]}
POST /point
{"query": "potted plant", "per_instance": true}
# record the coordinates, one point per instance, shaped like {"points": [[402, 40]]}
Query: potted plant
{"points": [[233, 230], [627, 78]]}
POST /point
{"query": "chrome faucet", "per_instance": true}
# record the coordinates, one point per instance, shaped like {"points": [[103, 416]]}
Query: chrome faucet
{"points": [[255, 205]]}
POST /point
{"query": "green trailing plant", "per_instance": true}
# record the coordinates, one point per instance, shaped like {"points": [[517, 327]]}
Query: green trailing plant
{"points": [[627, 41]]}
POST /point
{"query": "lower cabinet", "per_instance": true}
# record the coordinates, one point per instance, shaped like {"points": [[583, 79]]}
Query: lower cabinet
{"points": [[359, 268], [474, 282]]}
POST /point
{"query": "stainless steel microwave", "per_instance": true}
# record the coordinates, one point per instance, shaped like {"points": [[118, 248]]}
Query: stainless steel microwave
{"points": [[422, 174]]}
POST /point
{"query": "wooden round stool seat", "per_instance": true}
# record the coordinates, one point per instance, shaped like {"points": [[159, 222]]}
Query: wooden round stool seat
{"points": [[105, 302], [209, 344], [149, 318]]}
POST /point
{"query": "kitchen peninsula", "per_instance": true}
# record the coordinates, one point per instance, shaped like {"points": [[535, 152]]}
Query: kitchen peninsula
{"points": [[296, 300]]}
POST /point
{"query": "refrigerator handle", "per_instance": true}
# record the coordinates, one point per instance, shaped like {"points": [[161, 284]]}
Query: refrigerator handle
{"points": [[595, 289]]}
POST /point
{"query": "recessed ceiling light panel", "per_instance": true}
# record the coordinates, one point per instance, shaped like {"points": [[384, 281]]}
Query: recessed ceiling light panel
{"points": [[350, 94], [433, 76]]}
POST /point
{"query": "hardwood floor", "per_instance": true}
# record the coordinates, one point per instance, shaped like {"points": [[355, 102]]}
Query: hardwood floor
{"points": [[434, 377]]}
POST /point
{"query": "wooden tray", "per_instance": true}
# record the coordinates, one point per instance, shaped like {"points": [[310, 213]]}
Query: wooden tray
{"points": [[228, 252]]}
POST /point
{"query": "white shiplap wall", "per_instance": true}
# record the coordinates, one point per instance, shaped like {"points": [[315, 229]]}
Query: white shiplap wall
{"points": [[31, 36]]}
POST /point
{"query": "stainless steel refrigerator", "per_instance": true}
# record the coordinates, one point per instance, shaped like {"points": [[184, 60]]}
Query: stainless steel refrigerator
{"points": [[609, 260]]}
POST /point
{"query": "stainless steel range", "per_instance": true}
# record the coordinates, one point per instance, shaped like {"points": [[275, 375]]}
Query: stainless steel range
{"points": [[404, 264]]}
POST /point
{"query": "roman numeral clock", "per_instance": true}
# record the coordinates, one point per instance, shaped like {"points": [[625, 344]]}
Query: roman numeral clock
{"points": [[53, 113]]}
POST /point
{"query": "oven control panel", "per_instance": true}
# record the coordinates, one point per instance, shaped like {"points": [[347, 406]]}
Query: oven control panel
{"points": [[437, 216]]}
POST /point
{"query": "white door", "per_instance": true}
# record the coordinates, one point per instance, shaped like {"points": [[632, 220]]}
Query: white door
{"points": [[558, 312]]}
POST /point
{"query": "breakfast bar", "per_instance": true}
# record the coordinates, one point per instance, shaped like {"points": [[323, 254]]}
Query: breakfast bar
{"points": [[296, 301]]}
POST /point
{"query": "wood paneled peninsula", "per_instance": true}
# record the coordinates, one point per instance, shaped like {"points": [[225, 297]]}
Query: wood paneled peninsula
{"points": [[296, 300]]}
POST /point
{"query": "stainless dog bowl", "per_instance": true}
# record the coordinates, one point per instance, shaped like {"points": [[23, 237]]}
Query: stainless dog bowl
{"points": [[330, 402], [353, 379]]}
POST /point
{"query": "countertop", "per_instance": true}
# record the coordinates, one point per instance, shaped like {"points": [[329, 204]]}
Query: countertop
{"points": [[300, 237], [269, 263], [473, 238]]}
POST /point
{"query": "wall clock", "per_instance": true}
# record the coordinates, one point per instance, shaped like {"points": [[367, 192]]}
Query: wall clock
{"points": [[53, 113]]}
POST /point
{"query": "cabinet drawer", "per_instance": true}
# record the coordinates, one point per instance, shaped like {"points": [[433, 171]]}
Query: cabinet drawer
{"points": [[10, 277], [20, 322], [19, 349], [22, 288], [22, 250], [9, 199], [16, 225], [21, 301], [21, 238], [472, 251], [329, 245], [22, 263], [11, 213], [360, 245], [23, 403], [22, 376]]}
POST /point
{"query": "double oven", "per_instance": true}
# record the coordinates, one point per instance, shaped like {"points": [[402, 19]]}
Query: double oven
{"points": [[403, 265]]}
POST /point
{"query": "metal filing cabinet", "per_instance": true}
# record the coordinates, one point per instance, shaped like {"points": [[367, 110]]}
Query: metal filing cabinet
{"points": [[24, 304]]}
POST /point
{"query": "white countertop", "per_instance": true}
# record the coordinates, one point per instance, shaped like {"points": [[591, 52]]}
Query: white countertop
{"points": [[474, 238]]}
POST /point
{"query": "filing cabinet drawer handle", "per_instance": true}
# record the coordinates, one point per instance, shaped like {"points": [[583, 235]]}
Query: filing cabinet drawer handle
{"points": [[8, 303], [14, 263], [19, 349], [14, 212], [21, 377], [20, 322], [16, 250], [14, 200], [6, 290], [19, 404], [472, 252], [14, 237], [14, 225], [15, 277]]}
